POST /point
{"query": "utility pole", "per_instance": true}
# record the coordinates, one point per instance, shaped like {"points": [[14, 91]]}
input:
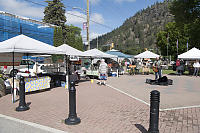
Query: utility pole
{"points": [[97, 43], [88, 38]]}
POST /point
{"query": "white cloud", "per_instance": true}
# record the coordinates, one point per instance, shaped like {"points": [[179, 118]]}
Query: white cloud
{"points": [[75, 17], [21, 8], [97, 18], [125, 1], [94, 2]]}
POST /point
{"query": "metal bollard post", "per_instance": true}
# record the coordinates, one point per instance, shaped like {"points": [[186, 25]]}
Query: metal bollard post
{"points": [[22, 103], [154, 112], [72, 117]]}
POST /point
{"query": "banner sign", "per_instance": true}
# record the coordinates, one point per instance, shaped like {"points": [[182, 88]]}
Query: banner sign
{"points": [[6, 59], [84, 25]]}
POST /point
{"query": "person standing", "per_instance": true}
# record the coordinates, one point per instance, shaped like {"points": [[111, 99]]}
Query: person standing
{"points": [[103, 68], [196, 66], [157, 68]]}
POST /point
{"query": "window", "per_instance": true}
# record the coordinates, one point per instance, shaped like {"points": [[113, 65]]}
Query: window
{"points": [[23, 62]]}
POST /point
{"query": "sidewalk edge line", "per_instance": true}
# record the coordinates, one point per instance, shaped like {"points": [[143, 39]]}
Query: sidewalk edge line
{"points": [[128, 95], [46, 128], [176, 108]]}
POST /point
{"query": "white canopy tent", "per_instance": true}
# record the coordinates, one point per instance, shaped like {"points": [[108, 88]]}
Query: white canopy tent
{"points": [[192, 54], [27, 45], [147, 54], [99, 54], [24, 44], [70, 50]]}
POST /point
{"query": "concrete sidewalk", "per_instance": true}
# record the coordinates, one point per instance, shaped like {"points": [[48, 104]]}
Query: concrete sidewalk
{"points": [[101, 109], [13, 125]]}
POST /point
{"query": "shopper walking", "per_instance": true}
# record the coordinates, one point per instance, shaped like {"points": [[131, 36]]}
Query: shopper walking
{"points": [[103, 68], [196, 66]]}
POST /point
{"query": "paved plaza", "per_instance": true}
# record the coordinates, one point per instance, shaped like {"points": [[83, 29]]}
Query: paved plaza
{"points": [[120, 107], [185, 91]]}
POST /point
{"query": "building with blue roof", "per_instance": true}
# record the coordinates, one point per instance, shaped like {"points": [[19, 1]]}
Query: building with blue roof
{"points": [[118, 53]]}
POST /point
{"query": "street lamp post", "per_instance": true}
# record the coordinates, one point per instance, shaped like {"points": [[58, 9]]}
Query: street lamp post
{"points": [[88, 21]]}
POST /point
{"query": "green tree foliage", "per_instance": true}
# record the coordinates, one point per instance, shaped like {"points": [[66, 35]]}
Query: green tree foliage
{"points": [[187, 15], [73, 37], [58, 37], [54, 13], [57, 41], [168, 38]]}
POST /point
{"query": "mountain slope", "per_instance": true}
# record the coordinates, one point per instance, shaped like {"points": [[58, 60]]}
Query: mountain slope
{"points": [[137, 32]]}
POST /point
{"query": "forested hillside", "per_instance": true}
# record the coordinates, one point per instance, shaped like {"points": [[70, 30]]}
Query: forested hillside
{"points": [[137, 32]]}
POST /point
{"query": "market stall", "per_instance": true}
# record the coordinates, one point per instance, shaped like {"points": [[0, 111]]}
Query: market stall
{"points": [[26, 45], [146, 56], [97, 54], [190, 56], [72, 54]]}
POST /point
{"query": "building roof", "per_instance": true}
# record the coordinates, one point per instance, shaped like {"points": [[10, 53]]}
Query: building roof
{"points": [[118, 53]]}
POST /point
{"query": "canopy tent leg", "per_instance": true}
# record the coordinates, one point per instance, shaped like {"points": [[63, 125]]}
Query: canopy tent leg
{"points": [[67, 71], [27, 61], [12, 90]]}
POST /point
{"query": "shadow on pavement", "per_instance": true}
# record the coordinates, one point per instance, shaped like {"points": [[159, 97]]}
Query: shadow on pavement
{"points": [[39, 91], [28, 104], [141, 128], [83, 80]]}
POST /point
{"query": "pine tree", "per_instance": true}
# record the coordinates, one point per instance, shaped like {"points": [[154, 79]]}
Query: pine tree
{"points": [[54, 13], [57, 41], [58, 37]]}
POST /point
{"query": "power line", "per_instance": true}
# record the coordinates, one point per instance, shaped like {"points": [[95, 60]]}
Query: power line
{"points": [[106, 26], [91, 20]]}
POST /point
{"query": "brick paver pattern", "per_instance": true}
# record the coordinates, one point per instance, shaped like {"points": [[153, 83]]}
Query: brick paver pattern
{"points": [[101, 109]]}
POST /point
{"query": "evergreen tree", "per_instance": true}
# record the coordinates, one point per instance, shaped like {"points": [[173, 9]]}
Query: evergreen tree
{"points": [[57, 41], [58, 37], [73, 37], [54, 13]]}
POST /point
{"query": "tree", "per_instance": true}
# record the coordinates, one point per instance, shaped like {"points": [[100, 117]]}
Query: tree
{"points": [[187, 15], [54, 13], [168, 38], [57, 41], [73, 37], [58, 37]]}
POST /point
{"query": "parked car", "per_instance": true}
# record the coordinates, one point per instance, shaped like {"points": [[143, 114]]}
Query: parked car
{"points": [[33, 70], [24, 64]]}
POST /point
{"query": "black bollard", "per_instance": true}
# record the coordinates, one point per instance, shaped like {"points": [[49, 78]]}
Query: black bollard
{"points": [[22, 103], [72, 117], [154, 112]]}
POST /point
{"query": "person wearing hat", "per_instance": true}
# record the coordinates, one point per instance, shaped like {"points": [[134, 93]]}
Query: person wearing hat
{"points": [[103, 68]]}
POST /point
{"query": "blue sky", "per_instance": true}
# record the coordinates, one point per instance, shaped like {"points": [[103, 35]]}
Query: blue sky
{"points": [[110, 13]]}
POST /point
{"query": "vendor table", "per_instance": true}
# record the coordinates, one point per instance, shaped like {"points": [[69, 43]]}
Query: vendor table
{"points": [[92, 73], [37, 83]]}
